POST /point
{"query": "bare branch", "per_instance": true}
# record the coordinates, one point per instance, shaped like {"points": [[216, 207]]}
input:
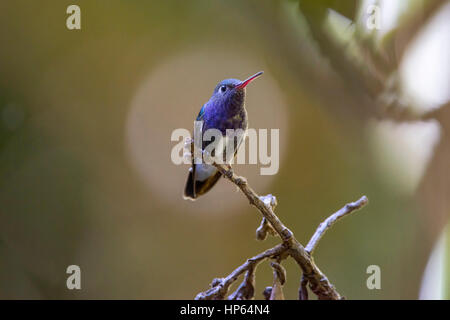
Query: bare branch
{"points": [[246, 289], [280, 272], [264, 228], [318, 282], [279, 278], [324, 226], [220, 288], [303, 289], [265, 209], [267, 293]]}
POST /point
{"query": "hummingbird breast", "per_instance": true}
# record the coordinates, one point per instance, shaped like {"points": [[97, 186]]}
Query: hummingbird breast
{"points": [[224, 119], [237, 121], [228, 121]]}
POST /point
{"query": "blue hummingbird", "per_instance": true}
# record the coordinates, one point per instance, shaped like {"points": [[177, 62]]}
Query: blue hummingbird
{"points": [[224, 110]]}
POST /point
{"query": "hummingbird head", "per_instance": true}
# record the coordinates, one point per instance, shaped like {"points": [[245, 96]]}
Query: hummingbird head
{"points": [[230, 93]]}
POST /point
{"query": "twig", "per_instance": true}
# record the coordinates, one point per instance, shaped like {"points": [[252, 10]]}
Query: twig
{"points": [[303, 289], [220, 287], [318, 282], [266, 210], [246, 289], [267, 293], [279, 278], [264, 228], [324, 226]]}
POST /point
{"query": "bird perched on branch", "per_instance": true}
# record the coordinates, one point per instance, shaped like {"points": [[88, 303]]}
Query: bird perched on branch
{"points": [[225, 110]]}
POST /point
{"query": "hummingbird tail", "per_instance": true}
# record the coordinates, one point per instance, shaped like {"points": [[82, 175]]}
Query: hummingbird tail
{"points": [[195, 188], [189, 192]]}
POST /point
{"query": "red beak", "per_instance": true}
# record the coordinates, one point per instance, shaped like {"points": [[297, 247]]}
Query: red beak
{"points": [[244, 83]]}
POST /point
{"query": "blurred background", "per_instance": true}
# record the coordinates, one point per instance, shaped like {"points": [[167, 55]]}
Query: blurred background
{"points": [[86, 118]]}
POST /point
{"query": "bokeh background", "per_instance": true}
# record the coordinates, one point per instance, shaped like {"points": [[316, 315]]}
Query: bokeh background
{"points": [[86, 118]]}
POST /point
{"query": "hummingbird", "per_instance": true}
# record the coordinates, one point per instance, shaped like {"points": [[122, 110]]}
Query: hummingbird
{"points": [[224, 110]]}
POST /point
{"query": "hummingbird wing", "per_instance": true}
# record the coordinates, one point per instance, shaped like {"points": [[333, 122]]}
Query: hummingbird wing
{"points": [[201, 113], [202, 177]]}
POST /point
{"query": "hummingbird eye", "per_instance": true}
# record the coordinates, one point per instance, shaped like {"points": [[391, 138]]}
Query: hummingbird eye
{"points": [[223, 89]]}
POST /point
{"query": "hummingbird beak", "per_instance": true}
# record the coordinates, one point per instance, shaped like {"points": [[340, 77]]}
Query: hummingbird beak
{"points": [[244, 83]]}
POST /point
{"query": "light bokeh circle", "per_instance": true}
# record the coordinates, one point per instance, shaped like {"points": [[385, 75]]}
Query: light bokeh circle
{"points": [[170, 97]]}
